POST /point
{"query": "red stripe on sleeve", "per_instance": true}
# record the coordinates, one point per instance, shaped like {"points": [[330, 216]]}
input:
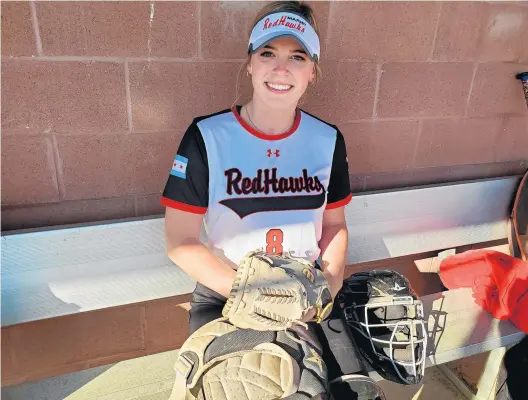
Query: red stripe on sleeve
{"points": [[339, 203], [182, 206]]}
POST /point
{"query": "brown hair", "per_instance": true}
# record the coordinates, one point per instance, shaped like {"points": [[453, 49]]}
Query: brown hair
{"points": [[297, 7]]}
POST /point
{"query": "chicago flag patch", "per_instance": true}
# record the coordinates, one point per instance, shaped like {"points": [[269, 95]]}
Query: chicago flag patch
{"points": [[179, 167]]}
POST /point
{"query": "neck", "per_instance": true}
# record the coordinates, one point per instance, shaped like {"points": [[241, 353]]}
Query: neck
{"points": [[269, 120]]}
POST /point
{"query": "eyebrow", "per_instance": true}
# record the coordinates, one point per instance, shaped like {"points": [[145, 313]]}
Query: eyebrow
{"points": [[294, 51]]}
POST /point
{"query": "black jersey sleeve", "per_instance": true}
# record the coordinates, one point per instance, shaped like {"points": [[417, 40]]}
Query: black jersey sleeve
{"points": [[187, 186], [339, 193]]}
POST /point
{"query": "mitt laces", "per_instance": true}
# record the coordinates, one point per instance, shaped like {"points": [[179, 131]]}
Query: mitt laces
{"points": [[281, 322], [286, 324], [296, 323]]}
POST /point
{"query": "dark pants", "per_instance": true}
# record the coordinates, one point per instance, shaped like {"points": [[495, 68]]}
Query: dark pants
{"points": [[206, 305]]}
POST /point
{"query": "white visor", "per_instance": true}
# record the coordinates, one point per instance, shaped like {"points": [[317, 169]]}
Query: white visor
{"points": [[281, 24]]}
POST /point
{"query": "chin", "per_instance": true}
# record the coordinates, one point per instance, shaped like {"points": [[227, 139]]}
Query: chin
{"points": [[280, 101]]}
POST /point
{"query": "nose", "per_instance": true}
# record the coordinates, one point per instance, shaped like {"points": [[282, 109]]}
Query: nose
{"points": [[281, 65]]}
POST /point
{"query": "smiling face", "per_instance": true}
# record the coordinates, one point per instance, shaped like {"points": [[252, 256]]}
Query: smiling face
{"points": [[280, 72]]}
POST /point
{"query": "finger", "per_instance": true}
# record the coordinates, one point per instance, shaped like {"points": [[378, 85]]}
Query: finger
{"points": [[309, 315]]}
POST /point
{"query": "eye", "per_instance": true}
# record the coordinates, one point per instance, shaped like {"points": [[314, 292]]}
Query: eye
{"points": [[266, 54], [299, 58]]}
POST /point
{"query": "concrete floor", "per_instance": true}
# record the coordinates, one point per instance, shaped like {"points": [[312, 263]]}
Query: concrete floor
{"points": [[434, 387], [151, 378]]}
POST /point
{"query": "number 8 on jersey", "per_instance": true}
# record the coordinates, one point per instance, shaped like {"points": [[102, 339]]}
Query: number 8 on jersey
{"points": [[274, 239]]}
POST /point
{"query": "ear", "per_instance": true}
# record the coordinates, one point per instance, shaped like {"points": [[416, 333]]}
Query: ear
{"points": [[249, 68]]}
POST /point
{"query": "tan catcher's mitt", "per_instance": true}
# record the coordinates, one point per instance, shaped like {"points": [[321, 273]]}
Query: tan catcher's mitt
{"points": [[273, 292]]}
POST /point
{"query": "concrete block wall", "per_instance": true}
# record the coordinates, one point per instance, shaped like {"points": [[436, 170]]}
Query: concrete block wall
{"points": [[96, 95]]}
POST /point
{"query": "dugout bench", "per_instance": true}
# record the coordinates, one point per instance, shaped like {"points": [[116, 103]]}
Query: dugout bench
{"points": [[53, 272]]}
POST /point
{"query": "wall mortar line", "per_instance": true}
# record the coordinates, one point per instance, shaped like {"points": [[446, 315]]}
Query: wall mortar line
{"points": [[199, 30], [136, 206], [420, 128], [398, 119], [121, 59], [143, 326], [329, 25], [36, 27], [128, 98], [376, 91], [58, 167], [475, 67], [433, 44]]}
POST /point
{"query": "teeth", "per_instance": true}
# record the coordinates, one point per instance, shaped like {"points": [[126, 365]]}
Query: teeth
{"points": [[278, 87]]}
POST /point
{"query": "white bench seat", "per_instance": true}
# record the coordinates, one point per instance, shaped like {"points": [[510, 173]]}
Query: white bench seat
{"points": [[65, 270]]}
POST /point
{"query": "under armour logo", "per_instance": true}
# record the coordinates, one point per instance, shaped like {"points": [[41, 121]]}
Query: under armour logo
{"points": [[276, 153]]}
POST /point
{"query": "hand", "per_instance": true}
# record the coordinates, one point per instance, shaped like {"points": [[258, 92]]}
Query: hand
{"points": [[335, 288], [309, 315], [335, 283]]}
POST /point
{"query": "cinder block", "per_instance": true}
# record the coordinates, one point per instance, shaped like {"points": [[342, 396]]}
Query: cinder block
{"points": [[380, 146], [169, 95], [512, 139], [18, 36], [63, 97], [149, 205], [496, 91], [357, 183], [388, 31], [66, 212], [445, 142], [108, 166], [481, 31], [468, 172], [424, 89], [345, 93], [505, 29], [225, 28], [390, 180], [119, 29], [28, 170]]}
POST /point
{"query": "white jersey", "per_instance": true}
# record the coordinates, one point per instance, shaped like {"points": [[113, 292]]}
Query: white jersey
{"points": [[259, 191]]}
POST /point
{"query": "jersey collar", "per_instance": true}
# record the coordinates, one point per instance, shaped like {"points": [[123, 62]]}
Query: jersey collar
{"points": [[254, 132]]}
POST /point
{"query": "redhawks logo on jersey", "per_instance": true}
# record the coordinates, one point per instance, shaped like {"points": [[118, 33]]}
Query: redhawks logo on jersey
{"points": [[266, 181]]}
